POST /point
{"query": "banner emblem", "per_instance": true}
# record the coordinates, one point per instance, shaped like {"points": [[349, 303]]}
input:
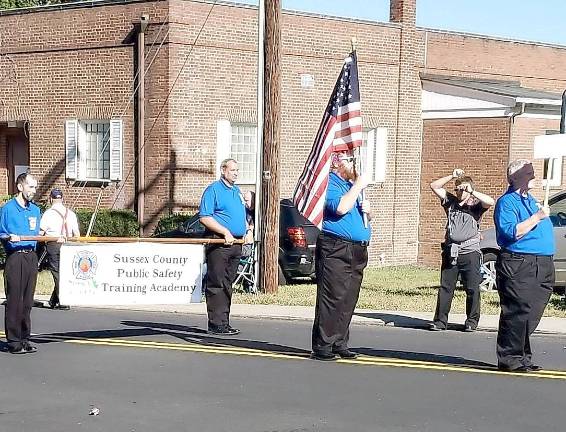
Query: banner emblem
{"points": [[84, 265]]}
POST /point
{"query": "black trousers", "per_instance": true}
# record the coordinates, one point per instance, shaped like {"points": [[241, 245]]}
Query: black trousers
{"points": [[20, 277], [339, 268], [53, 256], [468, 267], [525, 284], [222, 267]]}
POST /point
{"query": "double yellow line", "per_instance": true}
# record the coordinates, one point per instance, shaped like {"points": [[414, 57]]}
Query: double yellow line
{"points": [[250, 352]]}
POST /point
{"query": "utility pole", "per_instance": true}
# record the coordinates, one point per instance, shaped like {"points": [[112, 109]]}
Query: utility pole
{"points": [[269, 240]]}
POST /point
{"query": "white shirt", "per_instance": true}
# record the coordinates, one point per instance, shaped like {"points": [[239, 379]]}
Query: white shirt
{"points": [[54, 223]]}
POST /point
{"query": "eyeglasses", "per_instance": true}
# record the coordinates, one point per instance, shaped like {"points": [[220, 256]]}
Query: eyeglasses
{"points": [[347, 159]]}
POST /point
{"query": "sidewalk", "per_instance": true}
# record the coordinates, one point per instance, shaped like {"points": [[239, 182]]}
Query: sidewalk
{"points": [[361, 316]]}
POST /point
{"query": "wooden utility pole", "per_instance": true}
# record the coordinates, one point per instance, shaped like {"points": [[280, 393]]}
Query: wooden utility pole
{"points": [[269, 242]]}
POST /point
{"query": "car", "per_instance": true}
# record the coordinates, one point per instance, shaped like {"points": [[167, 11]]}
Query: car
{"points": [[490, 248], [297, 241]]}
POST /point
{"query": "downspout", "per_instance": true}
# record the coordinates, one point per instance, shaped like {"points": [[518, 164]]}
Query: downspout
{"points": [[563, 113], [144, 20], [512, 118]]}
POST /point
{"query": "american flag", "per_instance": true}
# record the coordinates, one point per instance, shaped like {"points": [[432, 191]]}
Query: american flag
{"points": [[340, 130]]}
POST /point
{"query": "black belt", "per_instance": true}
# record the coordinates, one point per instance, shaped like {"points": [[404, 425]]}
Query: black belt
{"points": [[23, 251], [524, 255], [356, 242]]}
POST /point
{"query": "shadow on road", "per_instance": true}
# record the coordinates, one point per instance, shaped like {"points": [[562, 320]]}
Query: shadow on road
{"points": [[396, 320], [422, 356], [200, 336]]}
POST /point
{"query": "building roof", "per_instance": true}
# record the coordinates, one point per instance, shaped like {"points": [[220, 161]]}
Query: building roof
{"points": [[511, 89]]}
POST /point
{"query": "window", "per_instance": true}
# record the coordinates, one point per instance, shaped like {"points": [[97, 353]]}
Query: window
{"points": [[93, 150], [373, 153], [243, 150], [555, 172], [558, 212], [238, 141]]}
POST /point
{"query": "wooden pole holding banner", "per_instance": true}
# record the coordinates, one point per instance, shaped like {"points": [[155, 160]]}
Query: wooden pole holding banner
{"points": [[269, 235], [358, 166], [549, 147], [87, 239], [547, 185]]}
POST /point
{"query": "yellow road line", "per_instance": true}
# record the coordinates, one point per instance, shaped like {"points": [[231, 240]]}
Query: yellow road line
{"points": [[252, 352]]}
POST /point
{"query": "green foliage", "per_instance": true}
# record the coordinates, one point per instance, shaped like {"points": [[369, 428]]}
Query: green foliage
{"points": [[109, 223], [15, 4], [170, 222]]}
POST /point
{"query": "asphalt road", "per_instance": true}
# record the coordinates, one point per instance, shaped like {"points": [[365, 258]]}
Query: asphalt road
{"points": [[161, 372]]}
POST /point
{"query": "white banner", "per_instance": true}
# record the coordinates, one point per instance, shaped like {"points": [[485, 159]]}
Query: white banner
{"points": [[549, 146], [130, 273]]}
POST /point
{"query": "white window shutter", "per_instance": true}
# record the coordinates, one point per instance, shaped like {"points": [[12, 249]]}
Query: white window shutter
{"points": [[370, 152], [223, 142], [116, 138], [380, 155], [71, 148]]}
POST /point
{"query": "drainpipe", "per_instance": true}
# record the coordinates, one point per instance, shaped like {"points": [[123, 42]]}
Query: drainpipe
{"points": [[563, 113], [512, 118], [144, 20]]}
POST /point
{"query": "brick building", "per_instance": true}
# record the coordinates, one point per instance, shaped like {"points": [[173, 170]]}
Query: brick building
{"points": [[69, 111]]}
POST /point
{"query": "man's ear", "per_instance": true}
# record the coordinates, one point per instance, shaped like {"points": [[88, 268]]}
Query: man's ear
{"points": [[20, 187]]}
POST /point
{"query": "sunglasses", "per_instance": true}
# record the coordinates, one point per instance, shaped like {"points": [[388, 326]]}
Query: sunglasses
{"points": [[347, 158]]}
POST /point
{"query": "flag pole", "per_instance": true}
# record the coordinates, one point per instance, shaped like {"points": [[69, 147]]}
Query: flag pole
{"points": [[354, 43]]}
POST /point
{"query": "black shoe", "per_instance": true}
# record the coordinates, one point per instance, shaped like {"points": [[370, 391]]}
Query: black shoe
{"points": [[520, 369], [231, 330], [534, 367], [436, 327], [323, 356], [223, 330], [62, 307], [28, 348], [469, 329], [16, 349], [346, 354]]}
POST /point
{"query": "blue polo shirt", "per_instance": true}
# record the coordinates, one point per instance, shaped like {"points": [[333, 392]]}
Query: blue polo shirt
{"points": [[349, 226], [226, 205], [512, 209], [18, 220]]}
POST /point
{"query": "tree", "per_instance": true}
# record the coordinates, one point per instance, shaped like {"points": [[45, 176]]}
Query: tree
{"points": [[14, 4]]}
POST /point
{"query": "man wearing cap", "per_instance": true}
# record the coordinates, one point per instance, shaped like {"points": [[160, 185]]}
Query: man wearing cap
{"points": [[340, 258], [525, 267], [20, 217], [223, 214], [57, 221]]}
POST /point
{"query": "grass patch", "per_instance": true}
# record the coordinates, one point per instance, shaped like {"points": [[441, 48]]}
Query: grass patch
{"points": [[404, 288]]}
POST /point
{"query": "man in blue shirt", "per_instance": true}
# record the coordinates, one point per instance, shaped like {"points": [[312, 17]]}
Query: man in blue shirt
{"points": [[20, 217], [223, 214], [525, 267], [341, 256]]}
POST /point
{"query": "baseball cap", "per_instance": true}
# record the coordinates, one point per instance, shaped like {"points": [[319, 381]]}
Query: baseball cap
{"points": [[56, 194]]}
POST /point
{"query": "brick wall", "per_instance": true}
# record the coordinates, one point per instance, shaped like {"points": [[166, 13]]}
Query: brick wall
{"points": [[523, 132], [534, 65], [78, 62], [67, 64], [480, 148]]}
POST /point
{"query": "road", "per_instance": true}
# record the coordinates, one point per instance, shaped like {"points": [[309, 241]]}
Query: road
{"points": [[161, 372]]}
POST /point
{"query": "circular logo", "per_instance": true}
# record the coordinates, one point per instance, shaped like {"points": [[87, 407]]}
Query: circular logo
{"points": [[84, 265]]}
